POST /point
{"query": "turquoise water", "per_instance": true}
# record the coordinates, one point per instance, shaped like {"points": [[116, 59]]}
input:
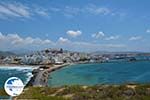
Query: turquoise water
{"points": [[102, 73], [24, 73]]}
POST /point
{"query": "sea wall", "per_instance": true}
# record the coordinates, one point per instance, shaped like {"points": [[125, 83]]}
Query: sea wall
{"points": [[41, 74]]}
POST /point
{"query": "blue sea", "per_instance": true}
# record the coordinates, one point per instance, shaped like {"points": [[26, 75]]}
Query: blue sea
{"points": [[86, 74], [102, 73], [24, 73]]}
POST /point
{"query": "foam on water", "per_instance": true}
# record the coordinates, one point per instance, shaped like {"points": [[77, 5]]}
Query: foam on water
{"points": [[22, 72], [29, 75], [16, 67]]}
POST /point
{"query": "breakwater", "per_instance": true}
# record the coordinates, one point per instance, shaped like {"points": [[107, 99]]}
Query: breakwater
{"points": [[41, 74]]}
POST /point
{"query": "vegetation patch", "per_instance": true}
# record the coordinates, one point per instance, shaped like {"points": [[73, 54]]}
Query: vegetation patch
{"points": [[76, 92]]}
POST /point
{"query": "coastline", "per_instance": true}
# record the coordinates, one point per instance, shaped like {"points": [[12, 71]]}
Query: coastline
{"points": [[41, 74], [126, 90], [17, 65]]}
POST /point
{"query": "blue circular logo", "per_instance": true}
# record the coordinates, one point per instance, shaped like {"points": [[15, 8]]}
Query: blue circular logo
{"points": [[14, 86]]}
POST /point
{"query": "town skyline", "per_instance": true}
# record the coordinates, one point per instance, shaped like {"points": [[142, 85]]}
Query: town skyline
{"points": [[75, 25]]}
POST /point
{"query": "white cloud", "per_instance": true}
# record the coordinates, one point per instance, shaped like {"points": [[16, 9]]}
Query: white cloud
{"points": [[71, 11], [14, 41], [90, 9], [47, 41], [103, 36], [42, 12], [112, 37], [98, 35], [1, 36], [74, 33], [6, 12], [14, 10], [63, 40], [97, 10], [18, 10], [133, 38]]}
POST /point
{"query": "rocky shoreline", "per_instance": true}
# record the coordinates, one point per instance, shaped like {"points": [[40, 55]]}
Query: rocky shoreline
{"points": [[41, 74]]}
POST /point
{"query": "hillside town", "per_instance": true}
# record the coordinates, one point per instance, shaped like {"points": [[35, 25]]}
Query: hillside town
{"points": [[60, 56]]}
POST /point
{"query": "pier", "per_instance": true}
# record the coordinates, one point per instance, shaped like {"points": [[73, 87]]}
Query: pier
{"points": [[41, 74]]}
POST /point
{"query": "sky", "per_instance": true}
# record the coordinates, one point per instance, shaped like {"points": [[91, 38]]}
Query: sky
{"points": [[78, 25]]}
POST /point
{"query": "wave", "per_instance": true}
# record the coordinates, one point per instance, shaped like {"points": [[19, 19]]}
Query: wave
{"points": [[18, 70], [29, 75]]}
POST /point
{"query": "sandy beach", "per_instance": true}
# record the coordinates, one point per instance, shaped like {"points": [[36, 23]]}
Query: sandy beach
{"points": [[17, 65]]}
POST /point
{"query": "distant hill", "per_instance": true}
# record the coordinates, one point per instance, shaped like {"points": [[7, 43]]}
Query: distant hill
{"points": [[21, 52], [6, 53], [123, 52]]}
